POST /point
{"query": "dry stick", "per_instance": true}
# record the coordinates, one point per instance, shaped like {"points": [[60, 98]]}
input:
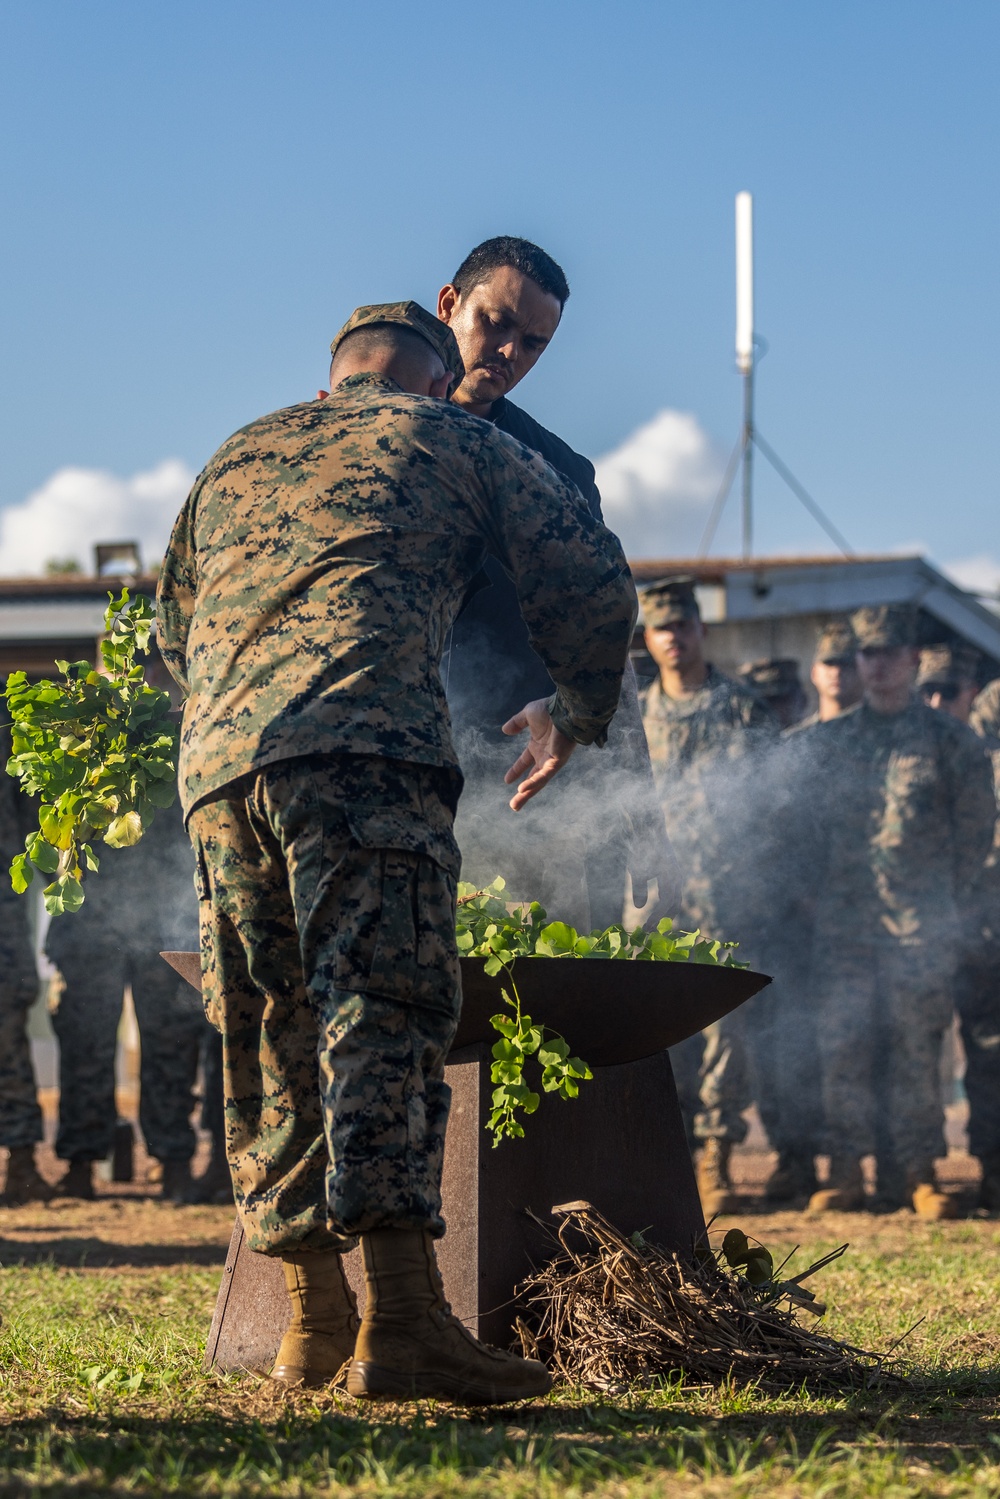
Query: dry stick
{"points": [[611, 1313]]}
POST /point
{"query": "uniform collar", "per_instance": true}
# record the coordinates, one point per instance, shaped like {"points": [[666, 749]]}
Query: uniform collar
{"points": [[368, 377]]}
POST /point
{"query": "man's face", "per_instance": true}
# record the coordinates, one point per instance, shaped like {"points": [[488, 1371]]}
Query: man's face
{"points": [[678, 645], [955, 698], [887, 669], [837, 681], [503, 326]]}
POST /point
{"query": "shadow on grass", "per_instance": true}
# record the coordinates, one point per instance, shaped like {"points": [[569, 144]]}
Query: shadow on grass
{"points": [[82, 1253], [948, 1425]]}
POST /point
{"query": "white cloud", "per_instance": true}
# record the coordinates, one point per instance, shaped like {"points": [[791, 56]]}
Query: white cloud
{"points": [[979, 574], [80, 506], [657, 486]]}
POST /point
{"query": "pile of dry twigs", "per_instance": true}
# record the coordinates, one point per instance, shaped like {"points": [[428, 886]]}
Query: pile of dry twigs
{"points": [[609, 1311]]}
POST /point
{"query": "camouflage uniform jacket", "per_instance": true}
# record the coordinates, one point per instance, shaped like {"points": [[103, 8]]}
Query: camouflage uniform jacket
{"points": [[703, 749], [322, 557], [898, 813]]}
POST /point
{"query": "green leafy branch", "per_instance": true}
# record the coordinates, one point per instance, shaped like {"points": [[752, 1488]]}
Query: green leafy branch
{"points": [[488, 927], [99, 751], [519, 1040]]}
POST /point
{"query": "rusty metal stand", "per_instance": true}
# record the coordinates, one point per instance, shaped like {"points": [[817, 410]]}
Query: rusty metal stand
{"points": [[621, 1145]]}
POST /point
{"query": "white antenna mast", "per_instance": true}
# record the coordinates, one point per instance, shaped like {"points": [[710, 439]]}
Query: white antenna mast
{"points": [[745, 352], [742, 454]]}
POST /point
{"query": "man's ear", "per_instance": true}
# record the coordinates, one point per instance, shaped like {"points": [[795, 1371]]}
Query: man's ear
{"points": [[447, 302], [440, 388]]}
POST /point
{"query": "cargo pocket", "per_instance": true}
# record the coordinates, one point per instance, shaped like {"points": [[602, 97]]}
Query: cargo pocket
{"points": [[397, 917]]}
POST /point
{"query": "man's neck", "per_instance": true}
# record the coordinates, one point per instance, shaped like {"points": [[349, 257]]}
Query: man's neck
{"points": [[483, 409], [829, 708], [684, 681], [889, 704]]}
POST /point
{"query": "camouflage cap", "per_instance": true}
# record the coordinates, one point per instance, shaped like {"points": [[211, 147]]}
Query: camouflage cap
{"points": [[669, 600], [837, 643], [419, 320], [885, 626], [947, 666], [774, 676]]}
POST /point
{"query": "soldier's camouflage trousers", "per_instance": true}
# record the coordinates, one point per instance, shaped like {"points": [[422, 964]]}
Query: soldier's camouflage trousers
{"points": [[171, 1025], [711, 1069], [713, 1083], [329, 964], [780, 1028], [881, 1012], [977, 999], [20, 1116]]}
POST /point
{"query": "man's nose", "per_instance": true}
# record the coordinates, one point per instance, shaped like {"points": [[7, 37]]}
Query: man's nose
{"points": [[510, 349]]}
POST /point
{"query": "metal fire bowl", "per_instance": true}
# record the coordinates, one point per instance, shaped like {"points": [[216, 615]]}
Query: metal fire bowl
{"points": [[610, 1011]]}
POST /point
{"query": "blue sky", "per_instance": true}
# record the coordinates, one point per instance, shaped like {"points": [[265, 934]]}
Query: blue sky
{"points": [[197, 194]]}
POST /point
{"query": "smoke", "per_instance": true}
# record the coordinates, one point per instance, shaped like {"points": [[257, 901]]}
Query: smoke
{"points": [[77, 507], [656, 486]]}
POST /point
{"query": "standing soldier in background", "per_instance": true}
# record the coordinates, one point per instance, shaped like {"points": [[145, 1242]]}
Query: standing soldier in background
{"points": [[140, 903], [20, 1115], [834, 673], [947, 681], [706, 734], [781, 1028], [776, 680], [897, 814], [310, 582], [602, 824]]}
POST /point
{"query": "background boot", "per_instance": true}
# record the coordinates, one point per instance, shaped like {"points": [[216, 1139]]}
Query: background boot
{"points": [[24, 1182], [712, 1175], [320, 1336], [929, 1202], [78, 1181], [989, 1191], [845, 1191], [178, 1183], [793, 1179], [411, 1347], [215, 1184]]}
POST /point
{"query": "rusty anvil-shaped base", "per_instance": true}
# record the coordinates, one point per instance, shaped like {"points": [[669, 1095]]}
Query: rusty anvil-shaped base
{"points": [[620, 1145]]}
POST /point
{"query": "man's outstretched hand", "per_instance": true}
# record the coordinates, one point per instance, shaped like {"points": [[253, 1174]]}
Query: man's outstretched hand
{"points": [[546, 752]]}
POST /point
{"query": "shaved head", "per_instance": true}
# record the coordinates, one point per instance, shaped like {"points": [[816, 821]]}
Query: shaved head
{"points": [[393, 350]]}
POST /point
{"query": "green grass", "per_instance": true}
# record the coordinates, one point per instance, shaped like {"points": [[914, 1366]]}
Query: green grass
{"points": [[101, 1392]]}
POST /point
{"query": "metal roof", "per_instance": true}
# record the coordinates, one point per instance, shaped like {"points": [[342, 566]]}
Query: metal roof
{"points": [[776, 587]]}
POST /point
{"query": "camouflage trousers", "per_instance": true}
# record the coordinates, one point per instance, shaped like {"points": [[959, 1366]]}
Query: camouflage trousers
{"points": [[780, 1028], [881, 1013], [20, 1116], [171, 1025], [330, 966], [977, 999], [713, 1082], [711, 1069]]}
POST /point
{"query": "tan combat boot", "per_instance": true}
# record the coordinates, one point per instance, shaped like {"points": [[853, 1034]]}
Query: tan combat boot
{"points": [[845, 1192], [792, 1180], [320, 1336], [712, 1175], [411, 1347], [929, 1202], [24, 1181]]}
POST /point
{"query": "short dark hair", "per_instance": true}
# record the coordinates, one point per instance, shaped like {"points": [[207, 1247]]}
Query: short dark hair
{"points": [[392, 338], [521, 255]]}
